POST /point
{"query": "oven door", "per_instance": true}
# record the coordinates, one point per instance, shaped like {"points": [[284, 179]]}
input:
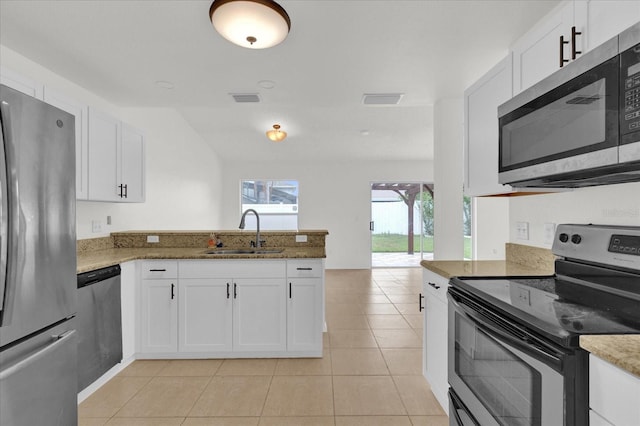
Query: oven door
{"points": [[570, 128], [500, 379]]}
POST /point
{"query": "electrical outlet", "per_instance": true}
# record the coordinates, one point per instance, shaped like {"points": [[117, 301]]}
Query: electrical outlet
{"points": [[96, 226], [108, 220], [522, 230], [549, 232], [301, 238], [153, 239]]}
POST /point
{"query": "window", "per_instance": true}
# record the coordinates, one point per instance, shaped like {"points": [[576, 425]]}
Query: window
{"points": [[275, 200]]}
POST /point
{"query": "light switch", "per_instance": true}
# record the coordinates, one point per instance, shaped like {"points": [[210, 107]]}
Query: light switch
{"points": [[522, 230]]}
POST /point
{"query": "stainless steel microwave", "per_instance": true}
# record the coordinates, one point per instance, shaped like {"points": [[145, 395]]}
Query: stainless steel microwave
{"points": [[578, 127]]}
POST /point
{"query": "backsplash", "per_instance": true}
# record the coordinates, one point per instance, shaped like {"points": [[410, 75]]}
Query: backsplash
{"points": [[236, 239], [534, 257], [94, 244]]}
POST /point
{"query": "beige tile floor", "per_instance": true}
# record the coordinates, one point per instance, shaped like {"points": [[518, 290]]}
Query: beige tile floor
{"points": [[370, 374]]}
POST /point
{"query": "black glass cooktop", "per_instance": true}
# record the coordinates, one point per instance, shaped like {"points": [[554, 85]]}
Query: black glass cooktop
{"points": [[562, 308]]}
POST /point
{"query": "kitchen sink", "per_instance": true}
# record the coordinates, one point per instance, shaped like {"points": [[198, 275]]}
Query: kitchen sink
{"points": [[244, 251]]}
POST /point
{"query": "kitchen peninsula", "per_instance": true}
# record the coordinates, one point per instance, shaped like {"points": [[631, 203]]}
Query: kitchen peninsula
{"points": [[181, 301]]}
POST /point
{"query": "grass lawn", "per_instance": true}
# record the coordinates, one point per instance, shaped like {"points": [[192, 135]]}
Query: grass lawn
{"points": [[397, 243]]}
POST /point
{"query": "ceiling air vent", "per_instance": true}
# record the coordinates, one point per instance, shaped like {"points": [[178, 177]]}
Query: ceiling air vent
{"points": [[245, 98], [382, 98]]}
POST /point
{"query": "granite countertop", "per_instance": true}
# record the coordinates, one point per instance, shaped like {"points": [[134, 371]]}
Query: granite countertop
{"points": [[482, 268], [623, 351], [109, 257]]}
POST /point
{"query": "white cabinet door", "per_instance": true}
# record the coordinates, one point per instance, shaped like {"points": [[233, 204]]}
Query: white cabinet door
{"points": [[159, 316], [259, 315], [20, 83], [481, 130], [537, 54], [80, 112], [304, 314], [436, 347], [104, 138], [132, 168], [614, 394], [205, 320], [434, 290], [607, 18], [116, 160]]}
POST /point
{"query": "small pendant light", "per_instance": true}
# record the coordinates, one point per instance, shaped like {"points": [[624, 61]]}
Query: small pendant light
{"points": [[276, 135]]}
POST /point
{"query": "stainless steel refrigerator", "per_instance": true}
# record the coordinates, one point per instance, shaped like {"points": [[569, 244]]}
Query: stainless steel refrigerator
{"points": [[38, 379]]}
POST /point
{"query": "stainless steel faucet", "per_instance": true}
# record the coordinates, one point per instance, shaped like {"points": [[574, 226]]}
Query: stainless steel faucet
{"points": [[257, 224]]}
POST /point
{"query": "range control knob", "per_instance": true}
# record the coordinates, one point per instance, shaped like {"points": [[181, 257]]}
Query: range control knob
{"points": [[563, 237], [575, 239]]}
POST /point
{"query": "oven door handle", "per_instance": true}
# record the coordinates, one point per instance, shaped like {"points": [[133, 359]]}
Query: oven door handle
{"points": [[526, 344]]}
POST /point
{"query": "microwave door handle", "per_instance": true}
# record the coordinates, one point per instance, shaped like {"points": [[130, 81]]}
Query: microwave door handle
{"points": [[524, 344]]}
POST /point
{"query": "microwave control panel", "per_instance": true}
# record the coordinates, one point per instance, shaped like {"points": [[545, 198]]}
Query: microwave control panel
{"points": [[630, 101]]}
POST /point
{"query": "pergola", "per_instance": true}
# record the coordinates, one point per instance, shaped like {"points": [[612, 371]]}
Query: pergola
{"points": [[408, 192]]}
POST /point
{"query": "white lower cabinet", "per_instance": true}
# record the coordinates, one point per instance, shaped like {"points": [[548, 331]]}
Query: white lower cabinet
{"points": [[159, 316], [435, 335], [205, 315], [259, 315], [305, 308], [614, 395], [229, 308]]}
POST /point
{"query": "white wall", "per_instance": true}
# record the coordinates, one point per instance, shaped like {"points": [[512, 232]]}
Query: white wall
{"points": [[448, 241], [183, 177], [334, 196], [607, 205], [490, 233], [183, 173]]}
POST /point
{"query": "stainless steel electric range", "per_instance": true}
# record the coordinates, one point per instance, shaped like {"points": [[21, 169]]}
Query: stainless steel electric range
{"points": [[514, 355]]}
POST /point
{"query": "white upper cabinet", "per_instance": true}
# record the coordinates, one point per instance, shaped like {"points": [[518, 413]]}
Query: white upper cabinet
{"points": [[105, 133], [80, 111], [607, 18], [539, 52], [133, 164], [582, 25], [20, 83], [481, 102], [116, 160]]}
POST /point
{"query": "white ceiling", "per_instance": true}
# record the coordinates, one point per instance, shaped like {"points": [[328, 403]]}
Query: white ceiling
{"points": [[336, 51]]}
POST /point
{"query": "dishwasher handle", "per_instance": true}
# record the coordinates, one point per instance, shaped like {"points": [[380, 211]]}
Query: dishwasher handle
{"points": [[93, 277]]}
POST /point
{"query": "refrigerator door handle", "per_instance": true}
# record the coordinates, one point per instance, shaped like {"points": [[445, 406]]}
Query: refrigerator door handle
{"points": [[4, 212], [58, 340]]}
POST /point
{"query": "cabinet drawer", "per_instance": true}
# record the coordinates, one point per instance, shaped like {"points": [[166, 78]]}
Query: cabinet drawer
{"points": [[435, 285], [304, 268], [232, 269], [614, 394], [154, 269]]}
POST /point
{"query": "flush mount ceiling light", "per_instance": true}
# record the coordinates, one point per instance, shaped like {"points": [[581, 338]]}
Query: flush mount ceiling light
{"points": [[276, 135], [255, 24]]}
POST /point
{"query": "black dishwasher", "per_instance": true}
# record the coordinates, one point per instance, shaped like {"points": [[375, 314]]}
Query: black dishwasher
{"points": [[99, 324]]}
